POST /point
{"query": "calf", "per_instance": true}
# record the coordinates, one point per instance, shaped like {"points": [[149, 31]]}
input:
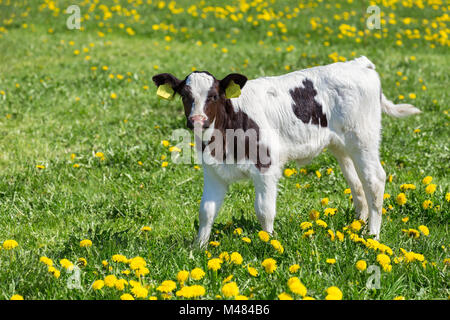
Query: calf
{"points": [[292, 117]]}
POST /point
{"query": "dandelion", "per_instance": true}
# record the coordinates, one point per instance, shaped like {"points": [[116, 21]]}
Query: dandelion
{"points": [[264, 236], [427, 180], [246, 239], [308, 233], [401, 199], [126, 296], [46, 261], [113, 95], [120, 284], [277, 245], [314, 215], [55, 272], [16, 297], [412, 233], [427, 204], [430, 189], [146, 229], [82, 262], [270, 265], [85, 243], [361, 265], [137, 263], [119, 258], [214, 264], [294, 268], [383, 259], [424, 229], [66, 264], [167, 286], [110, 280], [214, 243], [164, 164], [355, 225], [230, 290], [98, 284], [252, 271], [399, 298], [321, 223], [284, 296], [197, 274], [330, 211], [224, 256], [324, 201], [9, 244], [333, 293], [139, 291], [331, 234], [236, 258], [182, 276], [289, 172], [305, 225], [237, 231], [296, 286]]}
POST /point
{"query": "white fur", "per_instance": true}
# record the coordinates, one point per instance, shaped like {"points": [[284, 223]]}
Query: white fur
{"points": [[199, 83], [351, 97]]}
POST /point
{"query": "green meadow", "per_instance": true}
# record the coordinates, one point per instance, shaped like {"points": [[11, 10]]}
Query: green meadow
{"points": [[85, 154]]}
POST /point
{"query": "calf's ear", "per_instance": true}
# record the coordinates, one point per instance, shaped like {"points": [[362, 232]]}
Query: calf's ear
{"points": [[167, 85], [232, 85]]}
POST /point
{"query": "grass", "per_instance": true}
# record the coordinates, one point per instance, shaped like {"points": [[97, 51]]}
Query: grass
{"points": [[53, 104]]}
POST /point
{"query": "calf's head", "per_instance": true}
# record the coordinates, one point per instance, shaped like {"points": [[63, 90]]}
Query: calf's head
{"points": [[204, 97]]}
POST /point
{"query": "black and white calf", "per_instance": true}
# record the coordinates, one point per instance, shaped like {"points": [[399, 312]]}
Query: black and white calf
{"points": [[294, 117]]}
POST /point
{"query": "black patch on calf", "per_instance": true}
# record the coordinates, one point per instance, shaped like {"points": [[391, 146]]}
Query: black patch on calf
{"points": [[305, 106], [226, 118]]}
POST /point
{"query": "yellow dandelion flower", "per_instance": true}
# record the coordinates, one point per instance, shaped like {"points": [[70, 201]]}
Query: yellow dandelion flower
{"points": [[182, 276], [230, 290], [401, 199], [264, 236], [167, 286], [214, 264], [361, 265], [333, 293], [427, 180], [9, 244], [197, 274], [431, 188], [270, 265], [98, 284], [236, 258], [284, 296], [252, 271], [126, 296], [85, 243], [296, 286]]}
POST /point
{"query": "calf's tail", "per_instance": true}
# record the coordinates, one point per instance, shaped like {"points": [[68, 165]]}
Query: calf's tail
{"points": [[397, 110]]}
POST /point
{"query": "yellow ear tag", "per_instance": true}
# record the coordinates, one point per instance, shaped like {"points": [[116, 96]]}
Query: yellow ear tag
{"points": [[233, 90], [165, 92]]}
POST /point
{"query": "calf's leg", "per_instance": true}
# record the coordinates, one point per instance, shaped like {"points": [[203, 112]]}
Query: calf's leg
{"points": [[351, 176], [373, 178], [214, 190], [265, 200]]}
